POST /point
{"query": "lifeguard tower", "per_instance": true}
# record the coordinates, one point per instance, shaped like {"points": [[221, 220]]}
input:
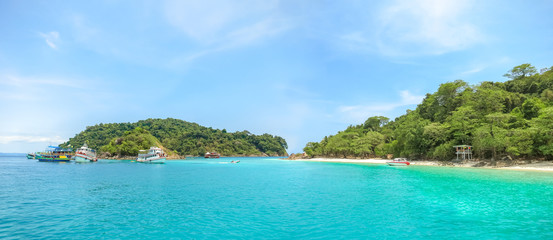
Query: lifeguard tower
{"points": [[464, 150]]}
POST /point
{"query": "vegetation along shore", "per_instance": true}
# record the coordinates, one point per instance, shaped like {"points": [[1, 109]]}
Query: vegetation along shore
{"points": [[177, 138], [535, 165], [505, 123]]}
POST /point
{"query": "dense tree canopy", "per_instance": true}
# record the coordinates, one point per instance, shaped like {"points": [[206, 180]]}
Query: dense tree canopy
{"points": [[182, 137], [512, 118], [130, 143]]}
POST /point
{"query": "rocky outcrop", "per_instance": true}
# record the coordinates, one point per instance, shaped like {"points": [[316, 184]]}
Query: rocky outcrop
{"points": [[296, 156]]}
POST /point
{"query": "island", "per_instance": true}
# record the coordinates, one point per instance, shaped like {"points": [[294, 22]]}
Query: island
{"points": [[177, 138]]}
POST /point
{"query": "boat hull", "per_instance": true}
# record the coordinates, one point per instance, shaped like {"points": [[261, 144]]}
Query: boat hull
{"points": [[212, 155], [51, 159], [84, 158], [398, 163], [152, 160]]}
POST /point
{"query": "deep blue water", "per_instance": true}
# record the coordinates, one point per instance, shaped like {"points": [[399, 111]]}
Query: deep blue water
{"points": [[267, 198]]}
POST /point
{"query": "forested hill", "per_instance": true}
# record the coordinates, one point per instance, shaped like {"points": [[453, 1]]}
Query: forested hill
{"points": [[178, 136], [512, 119]]}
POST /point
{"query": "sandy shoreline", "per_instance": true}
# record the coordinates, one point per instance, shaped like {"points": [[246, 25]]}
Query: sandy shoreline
{"points": [[541, 166]]}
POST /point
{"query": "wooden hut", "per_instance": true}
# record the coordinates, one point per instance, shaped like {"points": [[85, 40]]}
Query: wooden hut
{"points": [[465, 152]]}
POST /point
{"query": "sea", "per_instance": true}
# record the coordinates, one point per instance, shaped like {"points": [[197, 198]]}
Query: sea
{"points": [[269, 198]]}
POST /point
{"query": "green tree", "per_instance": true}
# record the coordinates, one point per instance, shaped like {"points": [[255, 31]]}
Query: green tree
{"points": [[531, 107], [375, 123], [520, 71], [512, 118], [177, 135], [543, 129]]}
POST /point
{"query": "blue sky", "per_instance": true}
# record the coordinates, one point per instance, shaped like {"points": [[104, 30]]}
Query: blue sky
{"points": [[298, 69]]}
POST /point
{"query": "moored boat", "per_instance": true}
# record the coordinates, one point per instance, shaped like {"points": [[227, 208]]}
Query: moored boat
{"points": [[399, 162], [154, 155], [85, 154], [31, 155], [212, 155], [55, 154]]}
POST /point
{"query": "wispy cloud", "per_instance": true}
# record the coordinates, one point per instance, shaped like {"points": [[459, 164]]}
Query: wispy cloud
{"points": [[426, 27], [51, 38], [239, 38], [473, 70], [30, 139], [481, 65], [28, 82], [359, 113], [221, 25], [418, 27], [28, 91], [206, 21]]}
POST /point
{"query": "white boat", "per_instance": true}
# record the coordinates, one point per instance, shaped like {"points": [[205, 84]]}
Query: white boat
{"points": [[85, 154], [212, 155], [154, 155], [399, 162]]}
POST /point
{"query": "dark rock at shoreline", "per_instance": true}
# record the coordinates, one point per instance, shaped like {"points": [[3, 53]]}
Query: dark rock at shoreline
{"points": [[295, 156], [486, 163]]}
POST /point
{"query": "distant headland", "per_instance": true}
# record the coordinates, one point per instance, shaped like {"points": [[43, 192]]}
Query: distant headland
{"points": [[178, 138]]}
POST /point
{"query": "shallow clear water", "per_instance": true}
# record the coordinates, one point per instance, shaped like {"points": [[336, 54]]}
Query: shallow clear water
{"points": [[267, 198]]}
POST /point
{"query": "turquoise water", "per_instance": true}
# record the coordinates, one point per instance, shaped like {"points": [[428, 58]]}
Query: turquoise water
{"points": [[267, 198]]}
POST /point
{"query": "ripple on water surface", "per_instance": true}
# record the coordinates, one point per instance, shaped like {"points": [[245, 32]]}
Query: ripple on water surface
{"points": [[269, 198]]}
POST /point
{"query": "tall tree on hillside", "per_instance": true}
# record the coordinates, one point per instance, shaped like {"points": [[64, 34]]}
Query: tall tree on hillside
{"points": [[520, 71], [543, 126], [438, 106], [375, 123]]}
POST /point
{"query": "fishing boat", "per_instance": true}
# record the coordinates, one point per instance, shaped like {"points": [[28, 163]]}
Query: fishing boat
{"points": [[399, 162], [212, 155], [55, 154], [31, 155], [154, 155], [85, 154]]}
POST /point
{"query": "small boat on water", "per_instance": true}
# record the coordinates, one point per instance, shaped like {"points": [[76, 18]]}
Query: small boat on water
{"points": [[31, 155], [237, 161], [85, 154], [399, 162], [212, 155], [154, 155], [55, 154]]}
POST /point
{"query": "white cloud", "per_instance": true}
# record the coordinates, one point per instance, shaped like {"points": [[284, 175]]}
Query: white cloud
{"points": [[31, 139], [409, 99], [418, 27], [357, 41], [42, 110], [359, 113], [29, 82], [426, 27], [240, 37], [33, 88], [208, 20], [220, 25], [473, 70], [51, 38]]}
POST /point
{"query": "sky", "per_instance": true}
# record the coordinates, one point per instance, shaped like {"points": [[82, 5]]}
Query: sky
{"points": [[297, 69]]}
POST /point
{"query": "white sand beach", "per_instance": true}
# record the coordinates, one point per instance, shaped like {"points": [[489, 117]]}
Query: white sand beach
{"points": [[344, 160], [540, 166]]}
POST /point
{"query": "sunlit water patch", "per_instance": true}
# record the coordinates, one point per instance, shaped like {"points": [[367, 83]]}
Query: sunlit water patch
{"points": [[269, 198]]}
